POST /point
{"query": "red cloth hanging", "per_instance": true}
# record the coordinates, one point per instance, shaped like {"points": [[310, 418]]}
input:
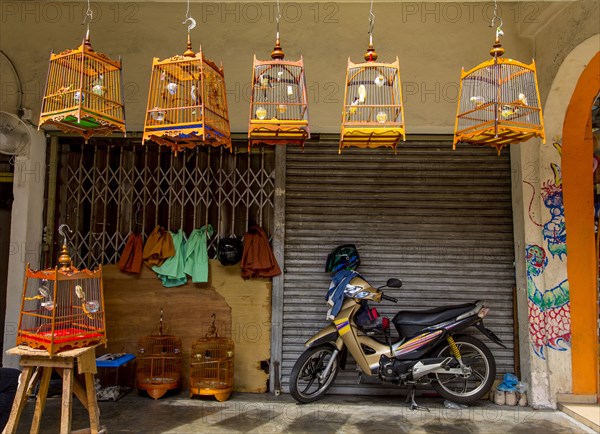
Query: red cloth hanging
{"points": [[131, 258], [258, 259]]}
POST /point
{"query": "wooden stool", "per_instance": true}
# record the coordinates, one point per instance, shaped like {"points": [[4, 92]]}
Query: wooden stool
{"points": [[38, 363]]}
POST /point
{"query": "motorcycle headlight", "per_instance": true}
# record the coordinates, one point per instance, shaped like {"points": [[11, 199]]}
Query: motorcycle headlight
{"points": [[355, 291]]}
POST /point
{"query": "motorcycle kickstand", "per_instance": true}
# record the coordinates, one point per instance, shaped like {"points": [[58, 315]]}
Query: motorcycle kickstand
{"points": [[413, 404]]}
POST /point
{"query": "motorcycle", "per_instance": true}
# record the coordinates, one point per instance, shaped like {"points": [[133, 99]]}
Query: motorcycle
{"points": [[429, 348]]}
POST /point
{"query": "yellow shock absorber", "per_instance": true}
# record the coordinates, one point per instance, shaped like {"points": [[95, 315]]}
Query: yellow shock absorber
{"points": [[453, 348]]}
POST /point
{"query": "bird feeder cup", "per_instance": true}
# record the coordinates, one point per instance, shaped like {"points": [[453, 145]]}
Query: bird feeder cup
{"points": [[278, 104], [62, 308], [499, 103], [83, 93], [373, 114], [187, 103]]}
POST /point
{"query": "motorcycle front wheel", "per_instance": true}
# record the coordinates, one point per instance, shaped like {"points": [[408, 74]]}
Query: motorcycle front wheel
{"points": [[306, 385], [466, 389]]}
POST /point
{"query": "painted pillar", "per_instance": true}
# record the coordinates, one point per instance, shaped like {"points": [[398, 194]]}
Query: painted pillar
{"points": [[25, 233], [579, 212]]}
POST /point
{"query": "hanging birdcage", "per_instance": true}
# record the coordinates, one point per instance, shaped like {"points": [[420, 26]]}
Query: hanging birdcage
{"points": [[278, 104], [187, 103], [499, 102], [83, 93], [211, 366], [373, 114], [62, 308], [158, 367]]}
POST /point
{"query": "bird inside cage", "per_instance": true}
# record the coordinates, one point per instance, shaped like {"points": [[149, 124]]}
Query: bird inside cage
{"points": [[62, 308]]}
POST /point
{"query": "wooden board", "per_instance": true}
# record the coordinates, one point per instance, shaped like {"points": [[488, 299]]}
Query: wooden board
{"points": [[242, 309]]}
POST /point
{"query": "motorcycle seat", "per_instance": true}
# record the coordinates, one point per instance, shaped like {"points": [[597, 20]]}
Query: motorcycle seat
{"points": [[432, 316]]}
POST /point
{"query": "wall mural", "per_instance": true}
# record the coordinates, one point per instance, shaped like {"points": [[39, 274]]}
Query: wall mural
{"points": [[549, 311]]}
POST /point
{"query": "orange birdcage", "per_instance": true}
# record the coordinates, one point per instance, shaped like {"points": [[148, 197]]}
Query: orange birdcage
{"points": [[62, 308], [278, 103], [158, 368], [187, 102], [83, 92], [499, 102], [211, 366], [373, 113]]}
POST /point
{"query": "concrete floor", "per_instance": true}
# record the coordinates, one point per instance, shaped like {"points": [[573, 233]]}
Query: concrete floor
{"points": [[262, 413]]}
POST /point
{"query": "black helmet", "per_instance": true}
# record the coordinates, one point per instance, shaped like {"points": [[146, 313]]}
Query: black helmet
{"points": [[343, 257], [229, 251]]}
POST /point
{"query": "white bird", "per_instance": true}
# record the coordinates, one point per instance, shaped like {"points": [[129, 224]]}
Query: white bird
{"points": [[195, 95], [477, 100], [522, 99], [362, 93], [379, 80], [172, 88], [353, 106]]}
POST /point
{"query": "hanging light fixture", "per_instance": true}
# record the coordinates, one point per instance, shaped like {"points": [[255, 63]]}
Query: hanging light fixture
{"points": [[83, 91], [187, 103], [278, 104], [499, 101], [373, 114]]}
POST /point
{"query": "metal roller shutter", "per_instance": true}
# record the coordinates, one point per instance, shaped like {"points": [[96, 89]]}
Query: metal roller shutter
{"points": [[438, 219]]}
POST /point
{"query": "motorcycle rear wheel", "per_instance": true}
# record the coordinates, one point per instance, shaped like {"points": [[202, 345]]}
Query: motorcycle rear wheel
{"points": [[479, 358], [305, 385]]}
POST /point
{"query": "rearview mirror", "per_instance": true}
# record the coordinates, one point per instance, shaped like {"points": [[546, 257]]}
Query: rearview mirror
{"points": [[394, 283]]}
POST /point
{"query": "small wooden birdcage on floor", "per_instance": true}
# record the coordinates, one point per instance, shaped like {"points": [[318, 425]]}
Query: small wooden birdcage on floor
{"points": [[278, 104], [499, 102], [159, 358], [62, 308], [83, 93], [373, 114], [187, 102], [211, 370]]}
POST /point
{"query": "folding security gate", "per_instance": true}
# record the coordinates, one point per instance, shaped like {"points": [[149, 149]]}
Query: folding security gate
{"points": [[110, 187], [439, 220]]}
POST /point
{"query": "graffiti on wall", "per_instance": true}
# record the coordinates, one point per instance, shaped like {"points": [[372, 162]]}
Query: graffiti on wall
{"points": [[549, 311]]}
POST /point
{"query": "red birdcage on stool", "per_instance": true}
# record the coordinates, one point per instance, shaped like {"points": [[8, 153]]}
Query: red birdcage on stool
{"points": [[62, 308]]}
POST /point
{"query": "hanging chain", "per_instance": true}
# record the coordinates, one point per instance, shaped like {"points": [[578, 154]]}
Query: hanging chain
{"points": [[278, 18], [87, 19], [189, 18], [371, 23], [495, 18]]}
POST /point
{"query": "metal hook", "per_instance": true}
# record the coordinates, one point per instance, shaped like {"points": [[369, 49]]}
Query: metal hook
{"points": [[61, 231], [192, 23]]}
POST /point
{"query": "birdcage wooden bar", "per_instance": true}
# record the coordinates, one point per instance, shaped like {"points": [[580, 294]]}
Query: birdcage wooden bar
{"points": [[211, 369], [62, 308], [187, 103], [499, 103], [373, 113], [83, 93], [278, 103]]}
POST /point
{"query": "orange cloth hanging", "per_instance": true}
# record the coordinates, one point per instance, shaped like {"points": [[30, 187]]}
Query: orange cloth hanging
{"points": [[258, 259], [131, 258], [159, 246]]}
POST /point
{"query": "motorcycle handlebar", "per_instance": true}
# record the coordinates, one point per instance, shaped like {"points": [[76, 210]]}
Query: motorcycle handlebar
{"points": [[388, 298]]}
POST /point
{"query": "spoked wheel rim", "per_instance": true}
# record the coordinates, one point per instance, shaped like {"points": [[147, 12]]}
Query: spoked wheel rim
{"points": [[309, 384], [466, 385]]}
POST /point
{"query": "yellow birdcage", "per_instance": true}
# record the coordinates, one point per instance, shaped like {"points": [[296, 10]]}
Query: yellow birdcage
{"points": [[278, 104], [211, 366], [187, 102], [83, 93], [62, 308], [158, 367], [373, 113], [499, 102]]}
